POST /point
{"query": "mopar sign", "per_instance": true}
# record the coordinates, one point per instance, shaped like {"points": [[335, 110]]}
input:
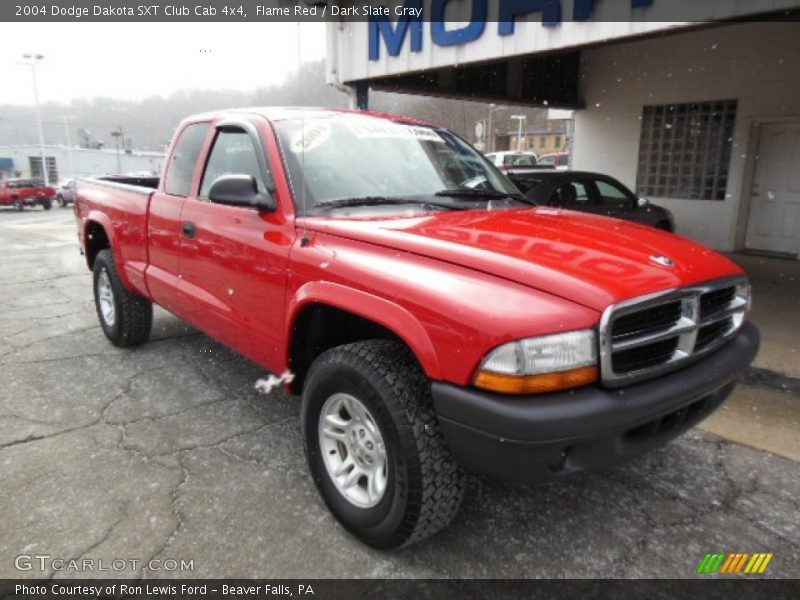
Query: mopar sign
{"points": [[394, 34]]}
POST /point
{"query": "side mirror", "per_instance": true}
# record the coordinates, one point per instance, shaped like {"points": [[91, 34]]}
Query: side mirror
{"points": [[239, 190], [642, 202]]}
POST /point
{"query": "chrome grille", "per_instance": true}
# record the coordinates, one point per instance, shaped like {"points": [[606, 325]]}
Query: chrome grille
{"points": [[644, 337], [649, 320], [625, 361]]}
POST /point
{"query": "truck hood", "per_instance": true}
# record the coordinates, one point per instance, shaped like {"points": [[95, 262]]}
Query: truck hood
{"points": [[592, 260]]}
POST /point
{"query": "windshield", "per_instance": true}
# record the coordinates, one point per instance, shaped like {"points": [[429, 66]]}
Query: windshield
{"points": [[345, 156]]}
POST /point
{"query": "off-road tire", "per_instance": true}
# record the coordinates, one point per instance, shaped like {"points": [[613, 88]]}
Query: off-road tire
{"points": [[133, 313], [425, 484]]}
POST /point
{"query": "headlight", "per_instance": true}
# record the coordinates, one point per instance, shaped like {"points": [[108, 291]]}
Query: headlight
{"points": [[541, 364], [741, 303], [744, 294]]}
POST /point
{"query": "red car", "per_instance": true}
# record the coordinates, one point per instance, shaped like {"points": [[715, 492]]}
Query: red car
{"points": [[20, 193], [432, 319]]}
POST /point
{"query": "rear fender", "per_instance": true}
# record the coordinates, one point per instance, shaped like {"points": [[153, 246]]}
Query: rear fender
{"points": [[99, 218]]}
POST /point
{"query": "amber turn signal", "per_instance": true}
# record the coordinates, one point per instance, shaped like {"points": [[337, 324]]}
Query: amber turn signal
{"points": [[535, 384]]}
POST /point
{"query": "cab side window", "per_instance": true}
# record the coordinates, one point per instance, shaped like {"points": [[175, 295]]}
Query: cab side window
{"points": [[572, 193], [184, 157], [233, 153], [611, 195]]}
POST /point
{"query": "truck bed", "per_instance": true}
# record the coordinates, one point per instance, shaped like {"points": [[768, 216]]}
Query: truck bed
{"points": [[121, 205], [131, 180]]}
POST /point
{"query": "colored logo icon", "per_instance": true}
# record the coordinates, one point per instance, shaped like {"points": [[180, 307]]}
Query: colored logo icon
{"points": [[734, 563]]}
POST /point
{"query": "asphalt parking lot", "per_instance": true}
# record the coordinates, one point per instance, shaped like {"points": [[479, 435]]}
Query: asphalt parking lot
{"points": [[168, 451]]}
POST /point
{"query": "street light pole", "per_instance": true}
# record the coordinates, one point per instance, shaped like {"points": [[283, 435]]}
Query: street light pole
{"points": [[117, 135], [69, 145], [31, 60], [520, 119]]}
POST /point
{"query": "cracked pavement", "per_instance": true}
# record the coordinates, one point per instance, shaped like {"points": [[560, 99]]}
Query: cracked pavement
{"points": [[167, 451]]}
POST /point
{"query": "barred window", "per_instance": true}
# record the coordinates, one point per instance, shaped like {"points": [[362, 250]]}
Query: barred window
{"points": [[685, 150], [35, 165]]}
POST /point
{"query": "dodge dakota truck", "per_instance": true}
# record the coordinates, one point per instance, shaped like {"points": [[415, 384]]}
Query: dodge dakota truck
{"points": [[434, 320], [20, 193]]}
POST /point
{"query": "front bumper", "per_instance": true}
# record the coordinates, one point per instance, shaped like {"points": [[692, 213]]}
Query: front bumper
{"points": [[526, 438]]}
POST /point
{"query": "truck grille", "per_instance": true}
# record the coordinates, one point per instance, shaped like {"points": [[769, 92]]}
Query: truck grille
{"points": [[647, 336], [649, 320]]}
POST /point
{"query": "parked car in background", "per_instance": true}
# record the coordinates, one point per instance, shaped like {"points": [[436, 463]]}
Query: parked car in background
{"points": [[20, 193], [506, 161], [559, 160], [592, 193], [65, 194]]}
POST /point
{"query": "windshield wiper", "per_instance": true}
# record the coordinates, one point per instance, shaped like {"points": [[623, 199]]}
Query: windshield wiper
{"points": [[377, 201], [481, 194]]}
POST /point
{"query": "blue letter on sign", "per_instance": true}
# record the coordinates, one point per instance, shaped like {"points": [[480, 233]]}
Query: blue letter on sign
{"points": [[442, 37], [394, 37], [511, 9]]}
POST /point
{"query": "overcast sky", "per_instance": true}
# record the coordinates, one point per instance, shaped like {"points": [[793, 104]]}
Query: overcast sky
{"points": [[135, 60]]}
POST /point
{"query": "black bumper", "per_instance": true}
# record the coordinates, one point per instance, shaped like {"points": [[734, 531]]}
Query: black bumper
{"points": [[526, 438]]}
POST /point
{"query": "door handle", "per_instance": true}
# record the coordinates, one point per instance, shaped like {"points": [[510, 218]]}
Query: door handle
{"points": [[188, 229]]}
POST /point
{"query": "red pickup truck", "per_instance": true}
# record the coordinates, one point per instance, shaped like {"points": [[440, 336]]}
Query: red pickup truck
{"points": [[434, 321], [20, 193]]}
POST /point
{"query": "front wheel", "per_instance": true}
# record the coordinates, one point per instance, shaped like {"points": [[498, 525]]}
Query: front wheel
{"points": [[60, 200], [19, 205], [47, 203], [126, 318], [374, 445]]}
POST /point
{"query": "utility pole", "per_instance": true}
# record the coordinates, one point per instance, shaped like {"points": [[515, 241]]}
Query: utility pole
{"points": [[65, 120], [31, 60], [520, 119], [490, 127]]}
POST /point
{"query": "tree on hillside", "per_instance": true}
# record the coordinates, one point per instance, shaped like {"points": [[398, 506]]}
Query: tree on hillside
{"points": [[150, 122]]}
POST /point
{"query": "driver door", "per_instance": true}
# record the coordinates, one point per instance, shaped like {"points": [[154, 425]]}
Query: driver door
{"points": [[234, 260]]}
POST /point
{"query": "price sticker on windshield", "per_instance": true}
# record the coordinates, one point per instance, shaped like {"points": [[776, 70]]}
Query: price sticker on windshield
{"points": [[382, 129], [310, 137]]}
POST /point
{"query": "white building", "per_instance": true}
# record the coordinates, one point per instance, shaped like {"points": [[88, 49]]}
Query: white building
{"points": [[700, 117], [68, 163]]}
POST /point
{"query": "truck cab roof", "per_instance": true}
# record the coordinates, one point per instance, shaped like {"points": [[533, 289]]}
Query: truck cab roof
{"points": [[278, 113]]}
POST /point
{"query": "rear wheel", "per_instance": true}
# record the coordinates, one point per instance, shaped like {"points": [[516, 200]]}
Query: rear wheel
{"points": [[47, 203], [126, 318], [374, 445], [60, 200]]}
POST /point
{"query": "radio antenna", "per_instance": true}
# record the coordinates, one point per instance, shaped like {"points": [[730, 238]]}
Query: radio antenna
{"points": [[304, 241]]}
